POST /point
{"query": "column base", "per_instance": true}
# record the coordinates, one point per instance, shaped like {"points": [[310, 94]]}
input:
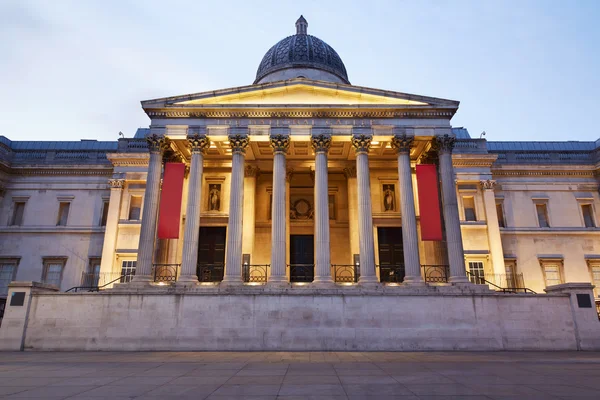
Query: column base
{"points": [[142, 280], [187, 281], [228, 282], [459, 280], [323, 283], [413, 281], [368, 281], [278, 282]]}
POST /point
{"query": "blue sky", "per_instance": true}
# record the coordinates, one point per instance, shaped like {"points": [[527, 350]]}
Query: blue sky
{"points": [[522, 70]]}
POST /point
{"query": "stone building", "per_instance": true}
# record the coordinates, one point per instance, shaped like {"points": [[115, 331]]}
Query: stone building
{"points": [[300, 177]]}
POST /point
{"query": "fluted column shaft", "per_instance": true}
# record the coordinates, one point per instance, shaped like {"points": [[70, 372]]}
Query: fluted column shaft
{"points": [[233, 260], [150, 212], [250, 175], [493, 228], [198, 145], [280, 144], [361, 144], [112, 223], [352, 212], [458, 274], [321, 144], [410, 240]]}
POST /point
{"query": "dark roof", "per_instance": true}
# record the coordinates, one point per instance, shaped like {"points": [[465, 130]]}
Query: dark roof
{"points": [[56, 145], [541, 146]]}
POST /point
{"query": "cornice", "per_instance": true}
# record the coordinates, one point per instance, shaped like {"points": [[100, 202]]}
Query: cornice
{"points": [[31, 170], [473, 160], [538, 173], [128, 159], [302, 113]]}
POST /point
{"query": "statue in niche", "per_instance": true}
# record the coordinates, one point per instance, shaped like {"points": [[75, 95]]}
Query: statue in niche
{"points": [[214, 197], [389, 198]]}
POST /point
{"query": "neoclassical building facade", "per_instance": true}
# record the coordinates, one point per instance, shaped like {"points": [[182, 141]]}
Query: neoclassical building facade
{"points": [[300, 178]]}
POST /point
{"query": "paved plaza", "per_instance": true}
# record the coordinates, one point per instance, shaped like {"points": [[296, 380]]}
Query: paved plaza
{"points": [[205, 375]]}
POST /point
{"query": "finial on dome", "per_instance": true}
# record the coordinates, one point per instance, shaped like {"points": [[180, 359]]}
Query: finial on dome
{"points": [[301, 26]]}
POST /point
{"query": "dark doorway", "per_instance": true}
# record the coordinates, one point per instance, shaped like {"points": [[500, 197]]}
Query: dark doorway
{"points": [[211, 254], [302, 258], [391, 255]]}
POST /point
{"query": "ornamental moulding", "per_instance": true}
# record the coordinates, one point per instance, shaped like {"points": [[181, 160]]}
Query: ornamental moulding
{"points": [[300, 114], [587, 174], [49, 172]]}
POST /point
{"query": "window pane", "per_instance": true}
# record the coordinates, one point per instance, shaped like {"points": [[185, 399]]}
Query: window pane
{"points": [[596, 279], [500, 213], [104, 214], [63, 214], [6, 276], [128, 269], [53, 274], [542, 214], [135, 207], [477, 275], [552, 273], [17, 218], [588, 215], [469, 205]]}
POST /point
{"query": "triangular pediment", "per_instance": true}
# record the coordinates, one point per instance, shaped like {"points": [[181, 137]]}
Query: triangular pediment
{"points": [[300, 92]]}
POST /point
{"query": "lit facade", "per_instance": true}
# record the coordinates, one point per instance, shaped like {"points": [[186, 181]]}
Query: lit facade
{"points": [[300, 177]]}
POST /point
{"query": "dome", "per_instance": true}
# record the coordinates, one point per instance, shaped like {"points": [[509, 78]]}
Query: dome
{"points": [[301, 55]]}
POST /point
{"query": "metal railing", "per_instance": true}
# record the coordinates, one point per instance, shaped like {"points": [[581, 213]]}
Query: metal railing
{"points": [[346, 273], [391, 273], [302, 272], [165, 272], [479, 279], [121, 279], [255, 273], [436, 273], [210, 272], [102, 278]]}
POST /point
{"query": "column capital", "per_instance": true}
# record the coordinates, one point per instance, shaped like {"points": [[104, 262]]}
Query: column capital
{"points": [[350, 172], [321, 142], [443, 143], [198, 143], [238, 143], [156, 143], [116, 183], [361, 142], [251, 171], [488, 184], [403, 143], [280, 143]]}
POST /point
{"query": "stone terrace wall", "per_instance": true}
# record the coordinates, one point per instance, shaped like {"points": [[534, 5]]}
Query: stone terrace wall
{"points": [[299, 321]]}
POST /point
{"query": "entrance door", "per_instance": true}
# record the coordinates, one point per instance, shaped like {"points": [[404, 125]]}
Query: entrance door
{"points": [[302, 258], [211, 253], [391, 255]]}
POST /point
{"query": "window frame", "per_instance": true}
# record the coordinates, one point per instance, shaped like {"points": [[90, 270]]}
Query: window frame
{"points": [[141, 197], [592, 264], [59, 216], [592, 216], [128, 260], [501, 221], [476, 278], [94, 261], [47, 261], [14, 261], [545, 203], [559, 262], [104, 212], [475, 213]]}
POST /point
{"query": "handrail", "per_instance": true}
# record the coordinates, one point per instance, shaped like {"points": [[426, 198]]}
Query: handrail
{"points": [[504, 290], [97, 288]]}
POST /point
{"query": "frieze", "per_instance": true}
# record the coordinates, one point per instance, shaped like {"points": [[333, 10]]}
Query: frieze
{"points": [[586, 174], [300, 114], [61, 172]]}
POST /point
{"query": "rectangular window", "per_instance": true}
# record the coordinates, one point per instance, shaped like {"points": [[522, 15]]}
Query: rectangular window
{"points": [[128, 269], [542, 215], [469, 207], [63, 213], [18, 210], [53, 271], [595, 269], [500, 213], [552, 274], [511, 282], [476, 275], [8, 270], [135, 208], [104, 216], [93, 276], [588, 215]]}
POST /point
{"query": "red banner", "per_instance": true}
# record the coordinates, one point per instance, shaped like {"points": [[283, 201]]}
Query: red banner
{"points": [[429, 202], [169, 213]]}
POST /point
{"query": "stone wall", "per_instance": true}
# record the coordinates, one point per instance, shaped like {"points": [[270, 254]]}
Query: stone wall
{"points": [[303, 319]]}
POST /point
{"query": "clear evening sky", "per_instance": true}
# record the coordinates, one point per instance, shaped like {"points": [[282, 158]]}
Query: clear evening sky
{"points": [[522, 70]]}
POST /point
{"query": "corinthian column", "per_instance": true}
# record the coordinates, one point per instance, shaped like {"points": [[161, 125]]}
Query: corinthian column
{"points": [[233, 260], [250, 174], [198, 146], [493, 228], [444, 145], [410, 240], [361, 143], [321, 144], [156, 146], [112, 223], [280, 144]]}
